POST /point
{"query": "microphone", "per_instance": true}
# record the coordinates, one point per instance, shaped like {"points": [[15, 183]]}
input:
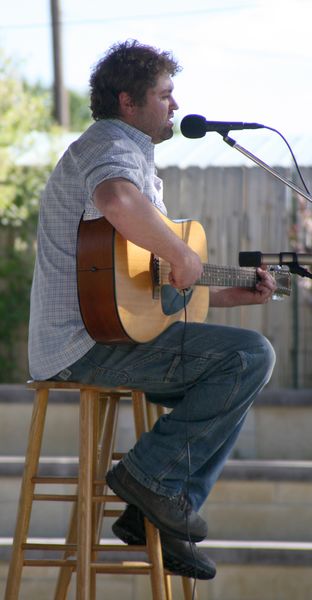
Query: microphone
{"points": [[196, 126]]}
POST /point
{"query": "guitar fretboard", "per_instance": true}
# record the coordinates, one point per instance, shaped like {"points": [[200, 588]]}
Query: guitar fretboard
{"points": [[216, 275], [228, 276]]}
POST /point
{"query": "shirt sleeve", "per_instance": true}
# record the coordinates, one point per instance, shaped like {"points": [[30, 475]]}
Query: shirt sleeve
{"points": [[109, 160]]}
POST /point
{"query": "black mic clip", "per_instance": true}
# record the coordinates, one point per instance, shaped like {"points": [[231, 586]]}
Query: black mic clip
{"points": [[288, 259]]}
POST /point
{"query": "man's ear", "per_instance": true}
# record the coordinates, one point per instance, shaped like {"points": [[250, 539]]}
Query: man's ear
{"points": [[126, 104]]}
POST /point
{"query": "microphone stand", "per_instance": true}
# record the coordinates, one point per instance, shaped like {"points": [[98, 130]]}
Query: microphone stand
{"points": [[262, 164], [283, 258]]}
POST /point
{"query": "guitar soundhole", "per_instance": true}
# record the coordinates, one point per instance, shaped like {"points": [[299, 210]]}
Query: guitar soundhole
{"points": [[172, 301]]}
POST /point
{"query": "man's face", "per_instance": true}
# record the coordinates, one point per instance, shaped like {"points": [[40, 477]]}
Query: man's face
{"points": [[155, 117]]}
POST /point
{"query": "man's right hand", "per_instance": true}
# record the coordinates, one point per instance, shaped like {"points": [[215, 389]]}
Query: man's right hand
{"points": [[187, 272]]}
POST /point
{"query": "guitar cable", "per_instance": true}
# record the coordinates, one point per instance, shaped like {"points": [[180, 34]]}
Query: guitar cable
{"points": [[187, 441]]}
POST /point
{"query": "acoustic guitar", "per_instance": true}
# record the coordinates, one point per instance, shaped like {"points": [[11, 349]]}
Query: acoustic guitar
{"points": [[123, 290]]}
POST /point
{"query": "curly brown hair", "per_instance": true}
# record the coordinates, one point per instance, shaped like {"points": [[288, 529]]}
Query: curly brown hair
{"points": [[127, 67]]}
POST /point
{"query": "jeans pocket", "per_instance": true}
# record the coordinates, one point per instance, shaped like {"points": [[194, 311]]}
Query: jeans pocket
{"points": [[169, 377], [107, 376], [88, 370], [153, 367]]}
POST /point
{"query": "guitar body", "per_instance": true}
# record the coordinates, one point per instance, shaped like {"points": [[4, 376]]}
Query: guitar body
{"points": [[119, 301]]}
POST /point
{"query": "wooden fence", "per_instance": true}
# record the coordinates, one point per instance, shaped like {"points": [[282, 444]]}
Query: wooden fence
{"points": [[241, 209]]}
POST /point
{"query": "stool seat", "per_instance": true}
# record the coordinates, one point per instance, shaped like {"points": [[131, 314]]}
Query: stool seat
{"points": [[53, 384], [83, 550]]}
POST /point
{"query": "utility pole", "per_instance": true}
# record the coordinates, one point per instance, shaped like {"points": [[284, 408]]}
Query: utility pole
{"points": [[60, 97]]}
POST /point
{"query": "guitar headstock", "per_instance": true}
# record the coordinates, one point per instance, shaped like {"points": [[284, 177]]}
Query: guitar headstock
{"points": [[282, 278]]}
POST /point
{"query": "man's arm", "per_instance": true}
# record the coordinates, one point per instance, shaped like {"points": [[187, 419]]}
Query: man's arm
{"points": [[133, 215]]}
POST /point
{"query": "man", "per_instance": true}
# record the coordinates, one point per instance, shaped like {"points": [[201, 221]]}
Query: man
{"points": [[209, 375]]}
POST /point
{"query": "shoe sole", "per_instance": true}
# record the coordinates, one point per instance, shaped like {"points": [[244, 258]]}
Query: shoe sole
{"points": [[116, 486], [172, 564]]}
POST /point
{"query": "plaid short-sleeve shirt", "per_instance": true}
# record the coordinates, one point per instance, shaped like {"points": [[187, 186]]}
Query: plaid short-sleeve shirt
{"points": [[108, 149]]}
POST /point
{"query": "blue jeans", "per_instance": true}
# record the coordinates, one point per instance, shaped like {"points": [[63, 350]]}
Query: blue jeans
{"points": [[209, 388]]}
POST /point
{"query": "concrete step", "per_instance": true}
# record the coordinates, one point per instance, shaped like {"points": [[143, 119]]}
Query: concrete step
{"points": [[278, 426], [263, 500], [246, 570], [269, 500]]}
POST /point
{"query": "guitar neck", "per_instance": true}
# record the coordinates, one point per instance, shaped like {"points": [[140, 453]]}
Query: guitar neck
{"points": [[214, 275], [228, 276]]}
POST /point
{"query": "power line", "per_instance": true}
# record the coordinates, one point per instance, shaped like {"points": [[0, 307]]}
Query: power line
{"points": [[171, 15]]}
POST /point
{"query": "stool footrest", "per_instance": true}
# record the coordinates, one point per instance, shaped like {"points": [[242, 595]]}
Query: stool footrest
{"points": [[54, 480], [139, 568], [74, 498], [55, 497], [73, 547]]}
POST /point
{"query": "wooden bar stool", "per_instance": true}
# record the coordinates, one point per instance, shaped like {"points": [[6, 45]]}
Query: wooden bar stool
{"points": [[82, 551]]}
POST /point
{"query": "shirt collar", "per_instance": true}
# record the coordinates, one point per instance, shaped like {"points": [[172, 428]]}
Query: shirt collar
{"points": [[143, 140]]}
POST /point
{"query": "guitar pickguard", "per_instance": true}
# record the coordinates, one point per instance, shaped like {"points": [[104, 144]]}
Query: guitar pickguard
{"points": [[172, 300]]}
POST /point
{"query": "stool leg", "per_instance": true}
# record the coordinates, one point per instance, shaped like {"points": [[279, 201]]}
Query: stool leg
{"points": [[152, 412], [168, 587], [65, 573], [138, 402], [106, 443], [94, 507], [108, 427], [26, 494], [187, 585], [159, 590], [84, 545]]}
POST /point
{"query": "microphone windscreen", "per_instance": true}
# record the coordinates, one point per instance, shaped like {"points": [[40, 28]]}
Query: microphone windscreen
{"points": [[250, 259], [193, 126]]}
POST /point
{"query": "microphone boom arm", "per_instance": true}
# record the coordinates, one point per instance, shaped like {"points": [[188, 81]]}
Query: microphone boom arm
{"points": [[231, 142]]}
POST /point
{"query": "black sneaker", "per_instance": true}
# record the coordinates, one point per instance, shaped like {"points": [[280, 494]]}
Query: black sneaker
{"points": [[180, 558], [173, 515]]}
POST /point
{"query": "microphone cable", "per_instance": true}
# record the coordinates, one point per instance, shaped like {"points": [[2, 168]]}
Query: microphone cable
{"points": [[187, 441], [292, 155]]}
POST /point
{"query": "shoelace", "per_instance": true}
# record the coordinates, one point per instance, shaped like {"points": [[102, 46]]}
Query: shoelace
{"points": [[183, 504]]}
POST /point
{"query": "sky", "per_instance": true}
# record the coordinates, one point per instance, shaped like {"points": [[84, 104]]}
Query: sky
{"points": [[243, 60]]}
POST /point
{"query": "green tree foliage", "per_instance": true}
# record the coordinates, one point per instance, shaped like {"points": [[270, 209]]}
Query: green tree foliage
{"points": [[78, 105], [79, 111], [22, 113], [25, 111]]}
